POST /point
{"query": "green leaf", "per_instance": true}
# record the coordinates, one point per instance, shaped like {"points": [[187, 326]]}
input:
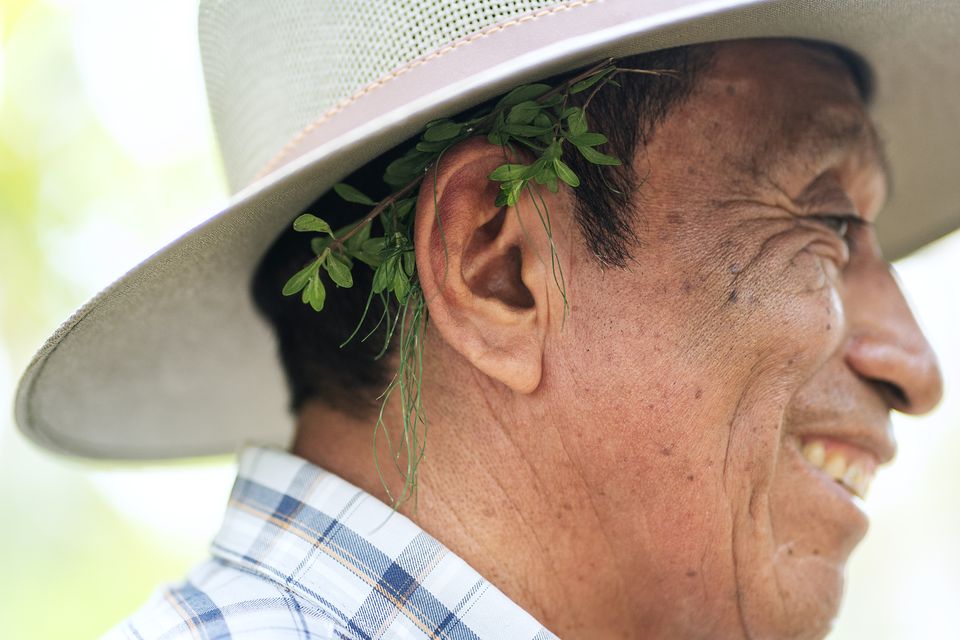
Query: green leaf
{"points": [[387, 219], [577, 123], [543, 120], [354, 242], [432, 147], [553, 101], [553, 151], [496, 134], [350, 194], [524, 113], [507, 172], [522, 94], [339, 270], [588, 82], [407, 168], [299, 280], [310, 222], [371, 251], [409, 262], [545, 173], [319, 244], [498, 138], [526, 130], [384, 275], [401, 285], [434, 123], [565, 173], [399, 240], [509, 193], [374, 245], [588, 139], [315, 294], [404, 207], [594, 156], [442, 131]]}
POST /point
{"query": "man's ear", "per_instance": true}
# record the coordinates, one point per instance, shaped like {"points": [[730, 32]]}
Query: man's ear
{"points": [[482, 268]]}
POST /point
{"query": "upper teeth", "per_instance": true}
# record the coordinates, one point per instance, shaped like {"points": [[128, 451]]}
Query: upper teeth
{"points": [[855, 476]]}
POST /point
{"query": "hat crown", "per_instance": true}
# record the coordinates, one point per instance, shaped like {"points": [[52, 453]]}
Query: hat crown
{"points": [[273, 67]]}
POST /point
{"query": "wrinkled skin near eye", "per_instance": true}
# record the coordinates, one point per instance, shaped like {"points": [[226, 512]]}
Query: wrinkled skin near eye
{"points": [[839, 224]]}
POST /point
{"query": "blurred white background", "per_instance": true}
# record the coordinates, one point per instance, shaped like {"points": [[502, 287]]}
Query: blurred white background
{"points": [[106, 154]]}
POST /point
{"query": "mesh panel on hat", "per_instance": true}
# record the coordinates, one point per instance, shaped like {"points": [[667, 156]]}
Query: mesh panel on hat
{"points": [[273, 66]]}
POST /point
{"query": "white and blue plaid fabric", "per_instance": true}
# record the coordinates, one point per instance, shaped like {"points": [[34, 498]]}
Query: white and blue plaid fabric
{"points": [[304, 554]]}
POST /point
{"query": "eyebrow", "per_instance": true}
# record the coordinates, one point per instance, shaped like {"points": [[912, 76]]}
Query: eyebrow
{"points": [[857, 67], [829, 133]]}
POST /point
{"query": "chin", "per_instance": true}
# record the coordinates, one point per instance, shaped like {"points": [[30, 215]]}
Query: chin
{"points": [[814, 524], [813, 590], [801, 602]]}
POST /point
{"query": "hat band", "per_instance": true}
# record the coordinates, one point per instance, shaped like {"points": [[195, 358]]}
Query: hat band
{"points": [[303, 141]]}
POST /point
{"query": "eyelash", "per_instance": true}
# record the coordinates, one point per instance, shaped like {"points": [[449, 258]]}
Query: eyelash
{"points": [[840, 223]]}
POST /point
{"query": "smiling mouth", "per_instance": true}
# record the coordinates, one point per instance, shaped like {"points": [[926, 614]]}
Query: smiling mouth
{"points": [[849, 466]]}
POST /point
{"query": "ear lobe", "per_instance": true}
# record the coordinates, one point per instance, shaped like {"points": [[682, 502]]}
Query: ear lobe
{"points": [[483, 281]]}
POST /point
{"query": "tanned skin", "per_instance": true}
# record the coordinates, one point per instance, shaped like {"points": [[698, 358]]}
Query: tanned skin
{"points": [[635, 471]]}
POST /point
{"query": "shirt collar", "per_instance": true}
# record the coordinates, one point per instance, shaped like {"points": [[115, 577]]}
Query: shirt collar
{"points": [[346, 552]]}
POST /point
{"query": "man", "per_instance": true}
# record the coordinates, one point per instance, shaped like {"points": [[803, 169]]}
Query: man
{"points": [[676, 457]]}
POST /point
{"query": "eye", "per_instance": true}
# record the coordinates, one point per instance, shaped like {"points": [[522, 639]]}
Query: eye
{"points": [[840, 223]]}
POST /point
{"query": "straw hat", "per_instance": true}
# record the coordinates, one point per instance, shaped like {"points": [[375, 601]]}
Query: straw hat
{"points": [[171, 360]]}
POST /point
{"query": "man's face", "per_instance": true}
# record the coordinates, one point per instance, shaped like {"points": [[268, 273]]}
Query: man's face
{"points": [[750, 354]]}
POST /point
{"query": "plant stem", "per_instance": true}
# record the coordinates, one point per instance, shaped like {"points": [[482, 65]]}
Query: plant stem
{"points": [[337, 243], [597, 68]]}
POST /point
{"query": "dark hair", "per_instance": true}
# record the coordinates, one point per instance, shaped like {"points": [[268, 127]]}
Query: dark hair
{"points": [[350, 378]]}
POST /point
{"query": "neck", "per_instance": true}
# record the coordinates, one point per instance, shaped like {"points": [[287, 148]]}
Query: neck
{"points": [[499, 487]]}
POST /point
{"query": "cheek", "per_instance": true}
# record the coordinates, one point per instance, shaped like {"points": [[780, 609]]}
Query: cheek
{"points": [[781, 306], [685, 377], [657, 444], [660, 494]]}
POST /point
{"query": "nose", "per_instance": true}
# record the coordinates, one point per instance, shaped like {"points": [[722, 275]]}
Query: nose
{"points": [[886, 347]]}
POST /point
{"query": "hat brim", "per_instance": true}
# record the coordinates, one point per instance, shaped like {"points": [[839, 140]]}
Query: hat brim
{"points": [[172, 360]]}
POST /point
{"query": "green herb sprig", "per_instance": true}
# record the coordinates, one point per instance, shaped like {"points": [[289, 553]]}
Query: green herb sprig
{"points": [[536, 118]]}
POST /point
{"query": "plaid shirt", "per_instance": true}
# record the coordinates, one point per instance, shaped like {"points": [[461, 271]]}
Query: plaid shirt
{"points": [[304, 554]]}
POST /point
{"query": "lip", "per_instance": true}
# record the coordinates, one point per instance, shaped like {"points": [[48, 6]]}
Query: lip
{"points": [[870, 443], [848, 507], [874, 440], [835, 516]]}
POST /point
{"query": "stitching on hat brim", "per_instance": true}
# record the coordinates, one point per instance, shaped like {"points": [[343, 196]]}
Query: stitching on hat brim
{"points": [[277, 159]]}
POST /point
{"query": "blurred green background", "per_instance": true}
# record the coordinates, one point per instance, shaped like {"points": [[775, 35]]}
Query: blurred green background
{"points": [[106, 154]]}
